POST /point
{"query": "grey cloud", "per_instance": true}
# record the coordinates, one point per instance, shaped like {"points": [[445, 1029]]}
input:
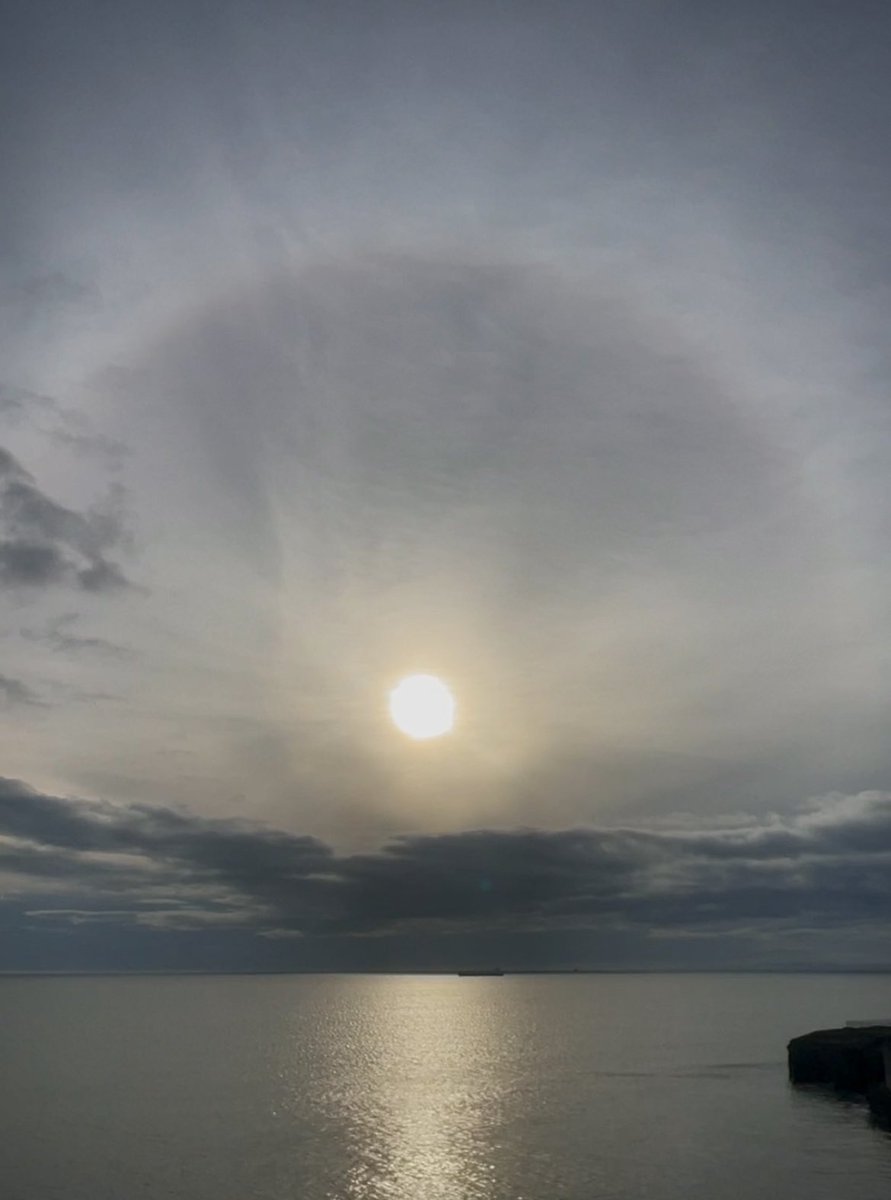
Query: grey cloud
{"points": [[66, 427], [10, 466], [48, 866], [52, 288], [161, 919], [14, 692], [59, 635], [18, 403], [828, 866], [82, 441], [30, 563], [10, 403], [46, 543], [94, 826], [102, 576]]}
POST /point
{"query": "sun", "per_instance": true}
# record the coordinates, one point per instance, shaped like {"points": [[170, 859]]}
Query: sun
{"points": [[422, 707]]}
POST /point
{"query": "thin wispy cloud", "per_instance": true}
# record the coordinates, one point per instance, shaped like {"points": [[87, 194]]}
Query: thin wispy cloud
{"points": [[61, 635]]}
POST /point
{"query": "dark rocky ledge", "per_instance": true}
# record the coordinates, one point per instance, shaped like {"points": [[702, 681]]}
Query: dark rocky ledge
{"points": [[851, 1060]]}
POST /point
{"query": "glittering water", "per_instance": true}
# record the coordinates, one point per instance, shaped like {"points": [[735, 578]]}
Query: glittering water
{"points": [[428, 1088]]}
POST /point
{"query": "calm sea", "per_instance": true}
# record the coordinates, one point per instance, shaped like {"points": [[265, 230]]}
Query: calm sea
{"points": [[666, 1087]]}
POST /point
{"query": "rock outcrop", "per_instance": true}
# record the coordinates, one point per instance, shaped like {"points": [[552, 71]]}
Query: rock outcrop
{"points": [[851, 1060]]}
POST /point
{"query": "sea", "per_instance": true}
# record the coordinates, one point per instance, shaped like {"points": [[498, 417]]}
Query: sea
{"points": [[426, 1087]]}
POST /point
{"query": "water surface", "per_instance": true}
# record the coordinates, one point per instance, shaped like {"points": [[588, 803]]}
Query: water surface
{"points": [[663, 1087]]}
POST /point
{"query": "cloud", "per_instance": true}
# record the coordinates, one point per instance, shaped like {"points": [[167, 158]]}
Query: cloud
{"points": [[76, 435], [14, 692], [66, 427], [58, 635], [30, 564], [827, 866], [44, 543], [18, 403], [50, 288]]}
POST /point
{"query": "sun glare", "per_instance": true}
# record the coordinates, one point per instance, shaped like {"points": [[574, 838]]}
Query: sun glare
{"points": [[422, 707]]}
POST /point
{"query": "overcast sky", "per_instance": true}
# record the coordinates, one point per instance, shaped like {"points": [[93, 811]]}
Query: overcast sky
{"points": [[542, 347]]}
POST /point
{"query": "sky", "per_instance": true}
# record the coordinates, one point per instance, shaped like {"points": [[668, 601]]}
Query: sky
{"points": [[542, 348]]}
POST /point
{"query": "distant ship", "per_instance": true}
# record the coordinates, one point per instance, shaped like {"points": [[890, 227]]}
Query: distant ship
{"points": [[484, 971]]}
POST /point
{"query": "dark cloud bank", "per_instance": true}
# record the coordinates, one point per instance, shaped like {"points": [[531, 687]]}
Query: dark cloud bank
{"points": [[91, 885]]}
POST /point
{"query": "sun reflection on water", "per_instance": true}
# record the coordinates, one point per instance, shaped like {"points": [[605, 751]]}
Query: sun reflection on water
{"points": [[432, 1112], [414, 1088]]}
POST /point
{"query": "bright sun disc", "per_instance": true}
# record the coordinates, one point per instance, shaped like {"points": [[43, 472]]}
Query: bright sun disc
{"points": [[422, 707]]}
